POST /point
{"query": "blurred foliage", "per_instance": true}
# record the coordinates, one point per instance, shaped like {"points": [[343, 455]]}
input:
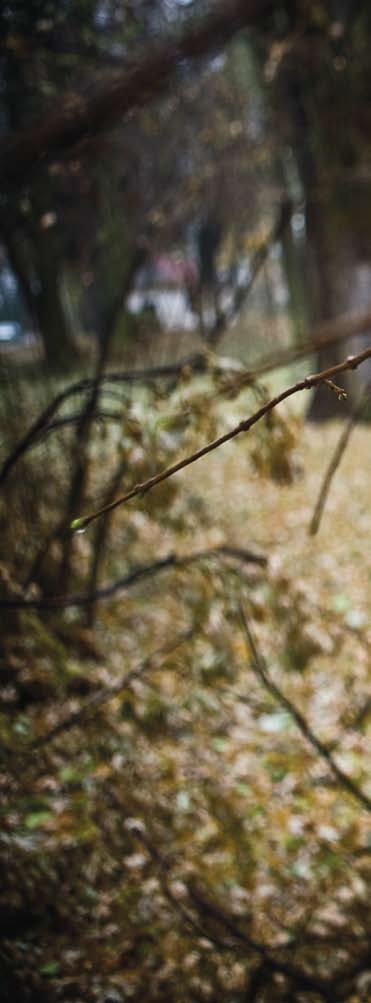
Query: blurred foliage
{"points": [[170, 829], [189, 779]]}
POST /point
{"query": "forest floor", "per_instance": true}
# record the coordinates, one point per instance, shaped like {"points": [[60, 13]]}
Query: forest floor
{"points": [[197, 770], [276, 518]]}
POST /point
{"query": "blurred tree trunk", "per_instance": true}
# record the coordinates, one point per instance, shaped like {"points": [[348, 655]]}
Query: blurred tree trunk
{"points": [[340, 275], [35, 261], [52, 320], [324, 266], [311, 101]]}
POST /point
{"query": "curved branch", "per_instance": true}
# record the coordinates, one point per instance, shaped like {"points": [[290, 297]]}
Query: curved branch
{"points": [[196, 362], [74, 419], [244, 426], [260, 668], [137, 575], [304, 981], [210, 910], [332, 333], [102, 696]]}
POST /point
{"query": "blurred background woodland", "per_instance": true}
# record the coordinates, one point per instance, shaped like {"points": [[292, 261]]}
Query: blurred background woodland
{"points": [[185, 239]]}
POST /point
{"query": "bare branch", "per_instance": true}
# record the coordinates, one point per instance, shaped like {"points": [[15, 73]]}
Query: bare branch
{"points": [[306, 982], [27, 754], [261, 670], [344, 327], [80, 471], [244, 426], [198, 363], [335, 462], [323, 335], [74, 419], [101, 535], [135, 576], [92, 704], [209, 910]]}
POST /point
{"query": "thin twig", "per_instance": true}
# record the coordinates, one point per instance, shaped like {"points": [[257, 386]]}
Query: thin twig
{"points": [[138, 574], [74, 419], [101, 534], [210, 910], [79, 479], [335, 462], [306, 982], [198, 363], [261, 670], [344, 327], [93, 703], [244, 426], [37, 427]]}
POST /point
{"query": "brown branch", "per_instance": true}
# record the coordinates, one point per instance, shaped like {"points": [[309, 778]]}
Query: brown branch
{"points": [[80, 473], [78, 600], [243, 555], [306, 982], [84, 117], [80, 469], [198, 363], [258, 979], [209, 910], [164, 874], [135, 576], [331, 333], [244, 426], [38, 426], [74, 419], [96, 700], [322, 336], [261, 670], [101, 534], [335, 462]]}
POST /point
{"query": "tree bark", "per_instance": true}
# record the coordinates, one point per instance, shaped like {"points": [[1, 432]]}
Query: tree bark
{"points": [[337, 227], [342, 282], [35, 261], [53, 325]]}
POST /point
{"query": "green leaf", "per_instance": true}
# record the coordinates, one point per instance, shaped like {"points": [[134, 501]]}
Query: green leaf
{"points": [[70, 775], [36, 819], [243, 788], [50, 969]]}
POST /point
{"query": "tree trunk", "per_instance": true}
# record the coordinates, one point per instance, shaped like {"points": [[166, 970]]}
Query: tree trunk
{"points": [[53, 323], [337, 215], [341, 283], [35, 262]]}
